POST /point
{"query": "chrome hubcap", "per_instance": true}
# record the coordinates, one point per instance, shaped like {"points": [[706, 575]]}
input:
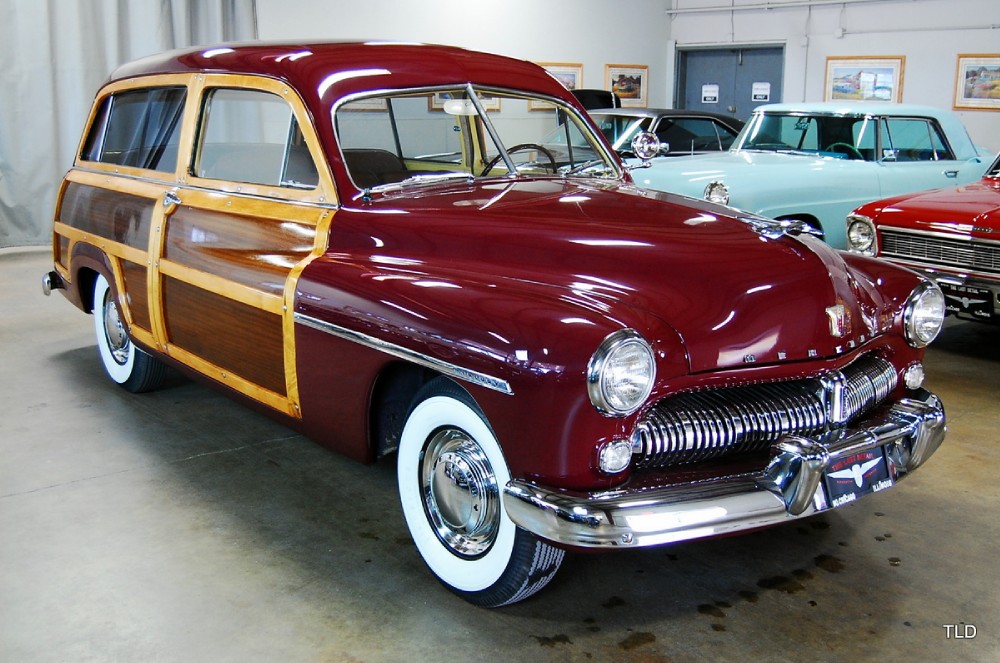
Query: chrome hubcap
{"points": [[461, 497], [114, 331]]}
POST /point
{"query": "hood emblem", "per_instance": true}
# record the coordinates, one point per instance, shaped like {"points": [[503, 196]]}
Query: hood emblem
{"points": [[840, 320]]}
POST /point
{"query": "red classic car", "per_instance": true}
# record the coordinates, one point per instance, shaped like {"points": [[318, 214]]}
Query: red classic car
{"points": [[951, 235], [369, 241]]}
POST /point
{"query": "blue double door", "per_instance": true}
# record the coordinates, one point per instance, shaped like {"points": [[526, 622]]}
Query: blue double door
{"points": [[733, 81]]}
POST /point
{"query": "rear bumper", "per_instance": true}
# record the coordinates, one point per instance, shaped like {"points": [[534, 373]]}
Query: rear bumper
{"points": [[790, 487]]}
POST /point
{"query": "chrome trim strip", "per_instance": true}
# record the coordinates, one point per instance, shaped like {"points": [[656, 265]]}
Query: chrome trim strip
{"points": [[789, 487], [398, 351]]}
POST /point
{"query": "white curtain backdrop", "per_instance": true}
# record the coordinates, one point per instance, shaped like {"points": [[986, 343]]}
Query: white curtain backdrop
{"points": [[54, 54]]}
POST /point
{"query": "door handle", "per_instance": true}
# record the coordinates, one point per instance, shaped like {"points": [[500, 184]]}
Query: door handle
{"points": [[951, 173], [170, 198]]}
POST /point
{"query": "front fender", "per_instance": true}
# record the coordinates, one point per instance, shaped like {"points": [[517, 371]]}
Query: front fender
{"points": [[521, 348]]}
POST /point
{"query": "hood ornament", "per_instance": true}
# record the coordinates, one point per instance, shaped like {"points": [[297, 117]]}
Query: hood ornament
{"points": [[775, 229]]}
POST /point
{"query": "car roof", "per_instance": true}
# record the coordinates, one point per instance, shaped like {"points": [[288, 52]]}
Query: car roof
{"points": [[667, 112], [328, 70], [955, 131], [855, 108]]}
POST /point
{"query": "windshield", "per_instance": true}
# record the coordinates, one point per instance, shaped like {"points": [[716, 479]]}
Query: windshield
{"points": [[620, 130], [994, 170], [847, 137], [412, 137]]}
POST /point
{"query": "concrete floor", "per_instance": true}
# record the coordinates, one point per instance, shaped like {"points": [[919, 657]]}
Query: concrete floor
{"points": [[181, 526]]}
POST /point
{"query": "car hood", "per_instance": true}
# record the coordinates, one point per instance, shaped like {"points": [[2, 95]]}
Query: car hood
{"points": [[973, 209], [733, 295]]}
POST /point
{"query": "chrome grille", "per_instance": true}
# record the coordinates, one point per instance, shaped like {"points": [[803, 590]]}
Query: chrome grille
{"points": [[696, 426], [965, 254]]}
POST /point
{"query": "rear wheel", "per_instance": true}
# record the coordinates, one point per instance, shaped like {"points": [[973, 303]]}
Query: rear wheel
{"points": [[129, 366], [451, 475]]}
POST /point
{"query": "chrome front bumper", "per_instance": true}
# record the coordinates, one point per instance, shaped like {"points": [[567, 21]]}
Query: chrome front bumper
{"points": [[789, 487]]}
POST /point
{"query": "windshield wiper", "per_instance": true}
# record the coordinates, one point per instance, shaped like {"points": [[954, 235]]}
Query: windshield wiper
{"points": [[583, 167], [421, 180]]}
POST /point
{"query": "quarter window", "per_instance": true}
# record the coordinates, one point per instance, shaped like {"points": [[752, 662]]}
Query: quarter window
{"points": [[138, 128], [252, 136]]}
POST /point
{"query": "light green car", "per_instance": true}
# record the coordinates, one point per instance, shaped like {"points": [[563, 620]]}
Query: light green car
{"points": [[816, 162]]}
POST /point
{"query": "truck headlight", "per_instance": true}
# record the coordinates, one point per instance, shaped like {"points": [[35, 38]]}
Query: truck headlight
{"points": [[861, 234], [717, 192], [621, 373], [924, 314]]}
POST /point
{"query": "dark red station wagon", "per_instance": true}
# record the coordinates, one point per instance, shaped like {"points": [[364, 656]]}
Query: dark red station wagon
{"points": [[383, 246]]}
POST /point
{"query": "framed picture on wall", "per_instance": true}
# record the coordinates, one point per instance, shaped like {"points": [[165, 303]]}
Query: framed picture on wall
{"points": [[868, 78], [629, 82], [977, 82], [570, 74]]}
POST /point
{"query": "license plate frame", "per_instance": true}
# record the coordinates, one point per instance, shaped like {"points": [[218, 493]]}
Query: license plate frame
{"points": [[968, 300], [857, 475]]}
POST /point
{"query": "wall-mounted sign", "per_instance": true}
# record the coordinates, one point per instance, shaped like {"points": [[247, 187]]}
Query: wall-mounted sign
{"points": [[710, 94], [761, 92]]}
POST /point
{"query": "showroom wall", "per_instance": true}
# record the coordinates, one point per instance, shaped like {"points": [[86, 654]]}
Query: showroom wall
{"points": [[55, 54], [589, 32], [929, 33]]}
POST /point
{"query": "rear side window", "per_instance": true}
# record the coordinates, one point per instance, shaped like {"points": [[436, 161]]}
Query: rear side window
{"points": [[913, 139], [252, 136], [691, 133], [138, 128]]}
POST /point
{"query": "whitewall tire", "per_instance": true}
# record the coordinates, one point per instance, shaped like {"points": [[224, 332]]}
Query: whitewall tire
{"points": [[127, 365], [451, 474]]}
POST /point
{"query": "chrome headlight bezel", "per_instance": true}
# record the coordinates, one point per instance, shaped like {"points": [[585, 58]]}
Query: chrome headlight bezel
{"points": [[621, 373], [924, 314], [861, 236], [717, 192]]}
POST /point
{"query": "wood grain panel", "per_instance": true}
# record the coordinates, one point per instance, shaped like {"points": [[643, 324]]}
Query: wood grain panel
{"points": [[230, 335], [252, 251], [116, 216], [136, 297]]}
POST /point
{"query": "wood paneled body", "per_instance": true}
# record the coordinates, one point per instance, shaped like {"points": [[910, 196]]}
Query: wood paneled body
{"points": [[204, 270], [241, 340], [123, 218], [204, 277]]}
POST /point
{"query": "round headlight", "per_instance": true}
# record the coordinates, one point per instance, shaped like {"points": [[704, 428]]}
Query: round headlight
{"points": [[621, 373], [717, 192], [924, 314], [861, 235]]}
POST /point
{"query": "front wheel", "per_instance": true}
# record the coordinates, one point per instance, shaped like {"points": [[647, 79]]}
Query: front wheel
{"points": [[129, 366], [451, 474]]}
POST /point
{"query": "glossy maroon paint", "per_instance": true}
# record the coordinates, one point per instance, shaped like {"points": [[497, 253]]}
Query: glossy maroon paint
{"points": [[323, 73], [522, 279]]}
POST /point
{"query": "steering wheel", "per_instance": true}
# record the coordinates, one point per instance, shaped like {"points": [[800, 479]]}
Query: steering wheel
{"points": [[521, 148], [845, 148]]}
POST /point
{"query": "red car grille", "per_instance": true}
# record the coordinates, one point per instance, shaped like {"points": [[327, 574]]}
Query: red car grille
{"points": [[930, 249]]}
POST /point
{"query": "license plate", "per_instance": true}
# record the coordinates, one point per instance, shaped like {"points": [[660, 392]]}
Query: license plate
{"points": [[857, 475], [977, 302]]}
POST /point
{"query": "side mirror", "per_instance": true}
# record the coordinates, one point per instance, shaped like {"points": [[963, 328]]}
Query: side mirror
{"points": [[646, 146]]}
